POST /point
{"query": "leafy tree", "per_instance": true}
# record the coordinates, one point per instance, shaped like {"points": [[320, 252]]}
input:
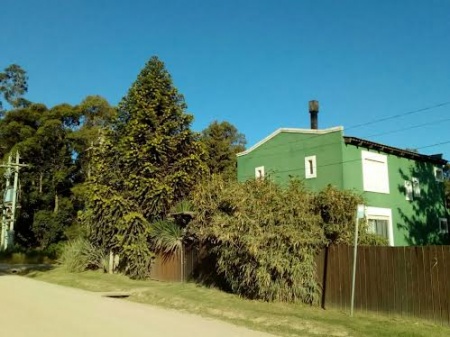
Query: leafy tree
{"points": [[95, 114], [13, 84], [41, 137], [223, 141], [147, 161]]}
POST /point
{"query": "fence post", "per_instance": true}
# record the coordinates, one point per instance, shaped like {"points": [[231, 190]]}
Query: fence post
{"points": [[359, 215]]}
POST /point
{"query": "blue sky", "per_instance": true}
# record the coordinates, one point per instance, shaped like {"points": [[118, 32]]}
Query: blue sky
{"points": [[254, 63]]}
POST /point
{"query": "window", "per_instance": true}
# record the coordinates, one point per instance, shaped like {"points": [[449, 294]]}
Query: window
{"points": [[443, 226], [439, 174], [379, 221], [375, 172], [408, 190], [259, 172], [310, 167], [416, 187], [378, 225]]}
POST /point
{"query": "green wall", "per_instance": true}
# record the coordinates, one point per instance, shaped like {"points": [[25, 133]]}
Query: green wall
{"points": [[284, 156], [414, 222]]}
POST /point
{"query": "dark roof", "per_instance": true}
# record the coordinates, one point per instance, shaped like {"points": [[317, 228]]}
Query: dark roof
{"points": [[435, 158]]}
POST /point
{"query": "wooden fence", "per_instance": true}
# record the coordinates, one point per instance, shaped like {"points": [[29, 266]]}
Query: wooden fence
{"points": [[407, 281], [401, 281], [176, 268]]}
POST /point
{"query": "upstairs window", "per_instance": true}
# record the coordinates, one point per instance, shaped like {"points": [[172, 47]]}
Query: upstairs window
{"points": [[443, 226], [408, 190], [259, 172], [310, 167], [412, 189], [375, 172], [416, 187], [439, 174]]}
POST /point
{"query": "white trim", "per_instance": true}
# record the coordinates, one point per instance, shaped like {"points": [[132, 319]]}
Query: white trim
{"points": [[384, 212], [290, 130], [443, 231], [416, 187], [383, 186], [408, 190], [436, 169], [310, 161], [259, 172]]}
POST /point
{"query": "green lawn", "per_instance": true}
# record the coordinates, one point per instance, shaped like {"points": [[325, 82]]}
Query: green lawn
{"points": [[278, 318]]}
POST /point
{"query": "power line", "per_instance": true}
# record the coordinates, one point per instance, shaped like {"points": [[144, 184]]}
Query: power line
{"points": [[378, 121], [399, 115], [336, 163], [409, 128], [432, 145]]}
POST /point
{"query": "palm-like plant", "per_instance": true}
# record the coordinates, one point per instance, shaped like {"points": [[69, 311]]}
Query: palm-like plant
{"points": [[167, 237]]}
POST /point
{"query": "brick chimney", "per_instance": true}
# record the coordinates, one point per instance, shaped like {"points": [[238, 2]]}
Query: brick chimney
{"points": [[314, 110]]}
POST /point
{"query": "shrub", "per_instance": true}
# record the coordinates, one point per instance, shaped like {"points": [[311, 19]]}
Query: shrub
{"points": [[264, 237], [80, 255], [337, 209]]}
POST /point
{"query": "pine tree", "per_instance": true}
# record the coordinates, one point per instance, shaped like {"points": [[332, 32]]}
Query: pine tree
{"points": [[160, 154], [149, 160]]}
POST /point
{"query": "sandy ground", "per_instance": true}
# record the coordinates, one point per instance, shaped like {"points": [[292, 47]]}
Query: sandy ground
{"points": [[30, 308]]}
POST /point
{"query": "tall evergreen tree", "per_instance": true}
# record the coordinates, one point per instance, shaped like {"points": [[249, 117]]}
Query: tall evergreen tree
{"points": [[160, 154], [149, 160]]}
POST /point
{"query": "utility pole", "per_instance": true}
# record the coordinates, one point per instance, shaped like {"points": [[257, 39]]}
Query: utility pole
{"points": [[9, 204]]}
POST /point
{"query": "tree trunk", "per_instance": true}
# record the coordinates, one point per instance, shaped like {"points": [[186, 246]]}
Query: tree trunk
{"points": [[41, 178], [56, 203]]}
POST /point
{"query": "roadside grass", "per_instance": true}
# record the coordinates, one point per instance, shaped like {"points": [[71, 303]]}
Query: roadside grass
{"points": [[281, 319]]}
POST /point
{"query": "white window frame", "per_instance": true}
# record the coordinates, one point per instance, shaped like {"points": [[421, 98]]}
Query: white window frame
{"points": [[441, 229], [439, 174], [310, 163], [408, 190], [259, 172], [382, 213], [382, 187], [415, 187]]}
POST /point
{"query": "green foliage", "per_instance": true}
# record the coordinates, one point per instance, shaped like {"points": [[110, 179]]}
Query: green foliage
{"points": [[80, 255], [264, 237], [41, 136], [166, 237], [337, 209], [223, 141], [146, 162], [160, 156], [13, 84]]}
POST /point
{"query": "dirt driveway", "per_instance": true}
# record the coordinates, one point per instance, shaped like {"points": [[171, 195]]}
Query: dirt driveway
{"points": [[31, 308]]}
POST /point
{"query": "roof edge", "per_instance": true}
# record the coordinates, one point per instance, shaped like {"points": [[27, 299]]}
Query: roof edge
{"points": [[394, 150], [290, 130]]}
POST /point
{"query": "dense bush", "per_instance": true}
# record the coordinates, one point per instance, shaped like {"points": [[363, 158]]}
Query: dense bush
{"points": [[261, 239], [337, 210], [264, 237], [80, 255]]}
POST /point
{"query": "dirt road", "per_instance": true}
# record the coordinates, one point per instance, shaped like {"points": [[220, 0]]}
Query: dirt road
{"points": [[31, 308]]}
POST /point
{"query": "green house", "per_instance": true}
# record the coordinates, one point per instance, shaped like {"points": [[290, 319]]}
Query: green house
{"points": [[403, 190]]}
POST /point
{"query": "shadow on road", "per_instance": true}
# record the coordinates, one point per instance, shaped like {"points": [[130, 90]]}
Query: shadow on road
{"points": [[23, 269]]}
